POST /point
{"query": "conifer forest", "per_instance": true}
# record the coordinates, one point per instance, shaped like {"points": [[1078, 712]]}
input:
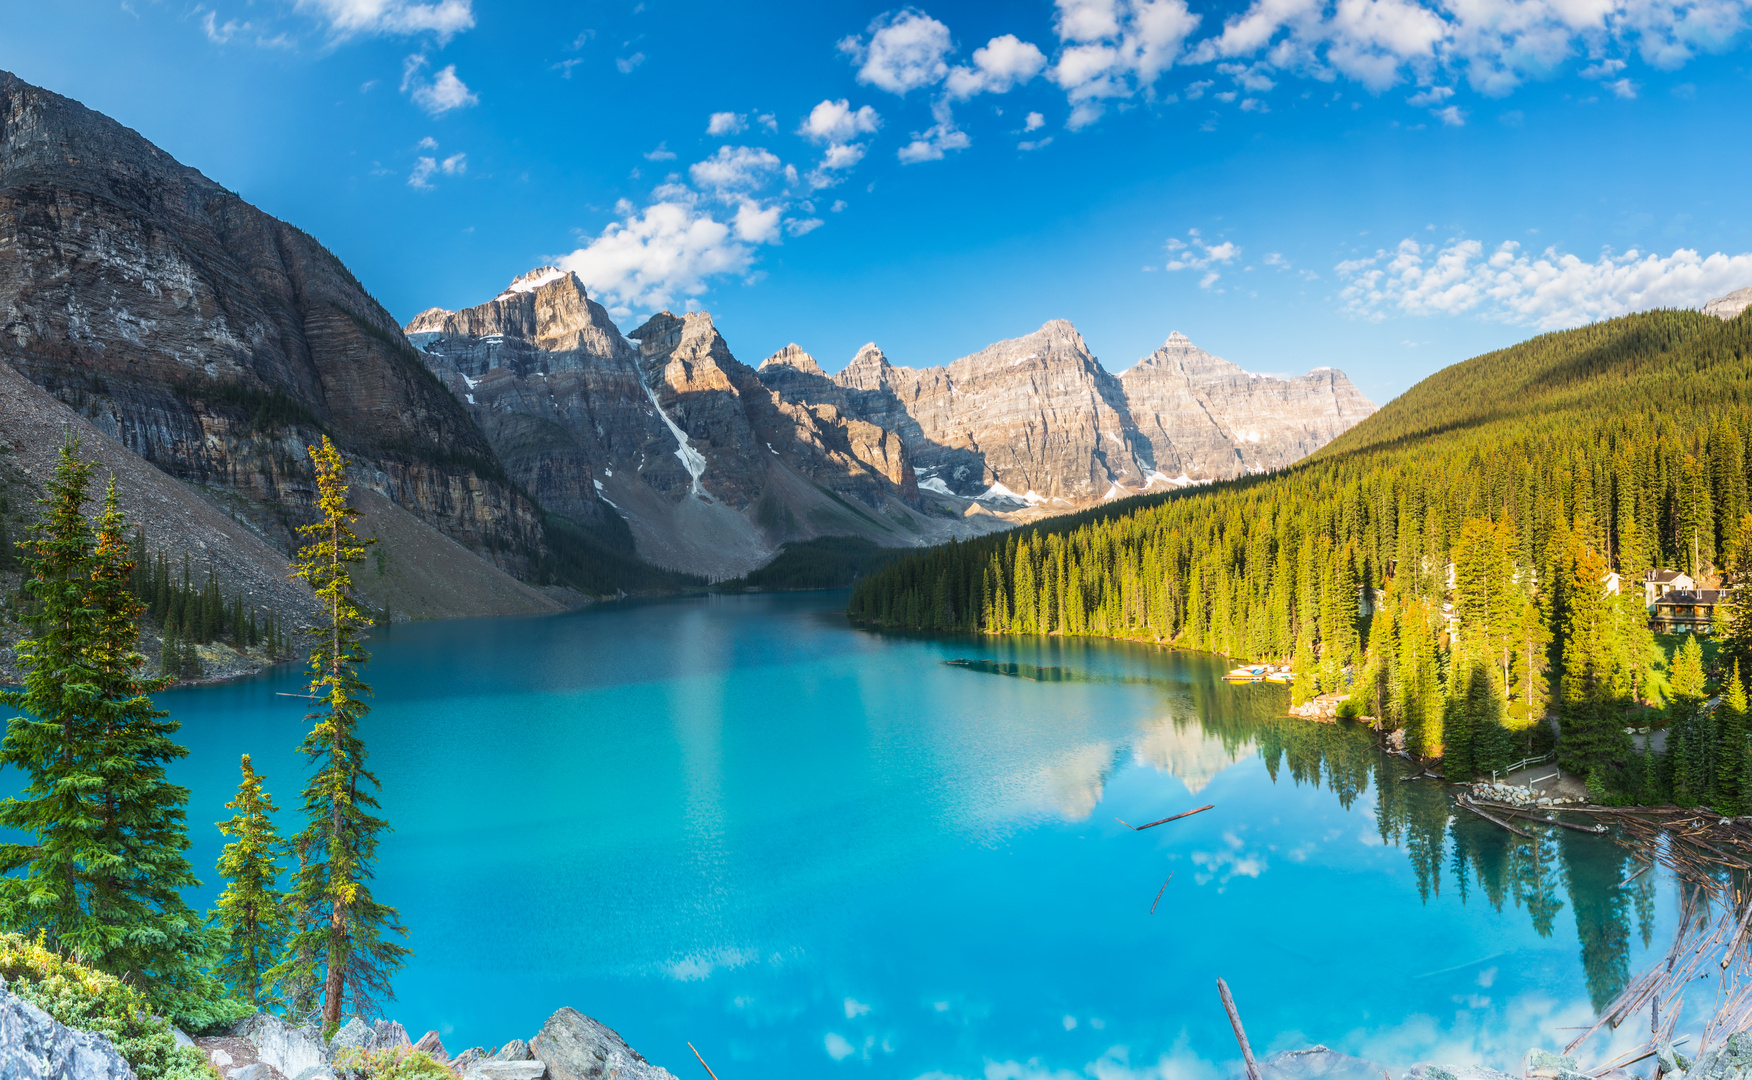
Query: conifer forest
{"points": [[1462, 564]]}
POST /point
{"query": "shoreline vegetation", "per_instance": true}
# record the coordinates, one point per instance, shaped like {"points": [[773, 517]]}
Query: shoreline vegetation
{"points": [[1466, 565]]}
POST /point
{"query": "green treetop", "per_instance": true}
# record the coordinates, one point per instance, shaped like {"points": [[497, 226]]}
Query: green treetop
{"points": [[102, 860], [338, 942], [249, 910], [1688, 672]]}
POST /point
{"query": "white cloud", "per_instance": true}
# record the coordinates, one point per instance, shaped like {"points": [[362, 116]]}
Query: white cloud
{"points": [[662, 153], [855, 1008], [906, 50], [837, 1047], [1035, 122], [455, 165], [421, 178], [735, 169], [668, 251], [1195, 253], [726, 123], [1550, 290], [933, 142], [353, 18], [428, 143], [626, 64], [1623, 88], [755, 223], [1115, 49], [836, 121], [438, 95], [801, 226], [1494, 46], [1000, 64]]}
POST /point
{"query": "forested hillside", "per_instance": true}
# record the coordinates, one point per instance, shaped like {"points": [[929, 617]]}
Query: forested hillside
{"points": [[1508, 486]]}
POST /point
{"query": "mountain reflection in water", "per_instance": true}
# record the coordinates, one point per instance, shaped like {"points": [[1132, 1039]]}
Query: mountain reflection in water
{"points": [[1481, 862]]}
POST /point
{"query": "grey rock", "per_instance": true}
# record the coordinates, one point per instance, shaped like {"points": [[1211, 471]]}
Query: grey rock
{"points": [[316, 1072], [575, 1047], [468, 1057], [1672, 1063], [1319, 1063], [515, 1050], [1731, 1060], [181, 1038], [127, 274], [258, 1071], [1727, 307], [1545, 1065], [355, 1032], [387, 1034], [220, 1059], [290, 1050], [1428, 1071], [1207, 419], [505, 1070], [430, 1043], [35, 1046]]}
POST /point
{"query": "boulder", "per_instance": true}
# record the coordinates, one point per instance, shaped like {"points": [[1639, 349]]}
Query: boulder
{"points": [[316, 1072], [257, 1071], [505, 1070], [515, 1050], [390, 1035], [220, 1059], [354, 1033], [36, 1046], [180, 1036], [575, 1047], [462, 1061], [1427, 1071], [292, 1051], [431, 1044]]}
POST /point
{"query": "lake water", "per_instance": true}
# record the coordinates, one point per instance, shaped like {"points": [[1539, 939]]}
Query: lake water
{"points": [[816, 851]]}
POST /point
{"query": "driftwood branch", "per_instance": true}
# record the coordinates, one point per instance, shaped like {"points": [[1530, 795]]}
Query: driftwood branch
{"points": [[1166, 820], [1240, 1033]]}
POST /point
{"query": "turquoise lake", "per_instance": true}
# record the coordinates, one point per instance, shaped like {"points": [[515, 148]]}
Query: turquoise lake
{"points": [[817, 851]]}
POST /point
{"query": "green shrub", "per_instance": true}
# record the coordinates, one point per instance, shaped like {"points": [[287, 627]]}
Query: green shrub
{"points": [[394, 1063], [89, 1000]]}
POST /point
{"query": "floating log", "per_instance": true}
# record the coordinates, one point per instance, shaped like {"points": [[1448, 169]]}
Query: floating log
{"points": [[1517, 811], [1644, 869], [1160, 891], [1739, 936], [1240, 1033], [1166, 820], [1470, 805], [703, 1064]]}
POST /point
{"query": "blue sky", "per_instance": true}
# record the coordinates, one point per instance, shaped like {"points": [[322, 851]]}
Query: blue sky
{"points": [[1292, 183]]}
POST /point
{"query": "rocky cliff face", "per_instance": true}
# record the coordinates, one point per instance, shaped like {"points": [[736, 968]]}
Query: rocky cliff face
{"points": [[1205, 418], [714, 465], [711, 469], [1038, 420], [216, 341]]}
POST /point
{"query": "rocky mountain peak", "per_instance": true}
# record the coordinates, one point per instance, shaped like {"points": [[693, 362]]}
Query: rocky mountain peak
{"points": [[535, 279], [430, 321], [792, 356], [1729, 306]]}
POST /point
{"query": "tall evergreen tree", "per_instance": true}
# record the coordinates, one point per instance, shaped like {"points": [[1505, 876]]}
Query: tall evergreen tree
{"points": [[102, 860], [249, 912], [339, 949]]}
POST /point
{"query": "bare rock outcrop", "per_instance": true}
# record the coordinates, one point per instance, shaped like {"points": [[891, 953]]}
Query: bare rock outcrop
{"points": [[710, 468], [216, 341], [36, 1046], [1729, 306], [1207, 419]]}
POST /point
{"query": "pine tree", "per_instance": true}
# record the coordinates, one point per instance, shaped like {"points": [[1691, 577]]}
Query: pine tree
{"points": [[1731, 744], [1593, 736], [103, 862], [1688, 672], [249, 911], [338, 930]]}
